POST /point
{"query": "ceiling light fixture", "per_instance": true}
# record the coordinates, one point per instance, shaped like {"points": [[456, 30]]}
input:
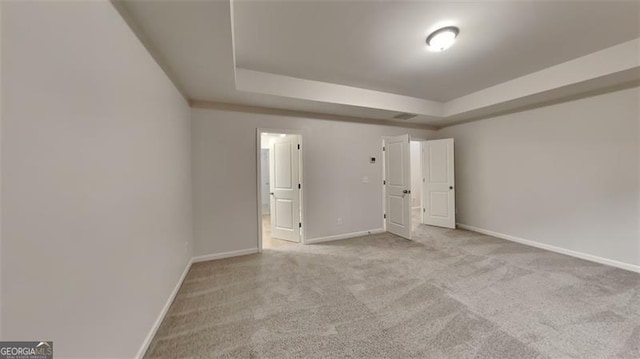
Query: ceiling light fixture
{"points": [[443, 38]]}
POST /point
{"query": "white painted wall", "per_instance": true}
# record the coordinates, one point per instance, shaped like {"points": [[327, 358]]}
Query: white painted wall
{"points": [[96, 184], [286, 86], [336, 158], [416, 173], [565, 175]]}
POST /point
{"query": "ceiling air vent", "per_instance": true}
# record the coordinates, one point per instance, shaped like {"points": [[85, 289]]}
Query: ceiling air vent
{"points": [[404, 116]]}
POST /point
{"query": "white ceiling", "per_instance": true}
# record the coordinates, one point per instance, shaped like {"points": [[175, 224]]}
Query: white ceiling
{"points": [[192, 41], [379, 45]]}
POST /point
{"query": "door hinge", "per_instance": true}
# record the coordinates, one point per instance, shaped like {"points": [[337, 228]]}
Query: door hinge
{"points": [[384, 216], [299, 186], [424, 210], [384, 148], [299, 224], [384, 182], [298, 146]]}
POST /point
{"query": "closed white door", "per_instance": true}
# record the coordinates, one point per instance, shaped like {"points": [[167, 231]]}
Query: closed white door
{"points": [[397, 184], [438, 191], [284, 176]]}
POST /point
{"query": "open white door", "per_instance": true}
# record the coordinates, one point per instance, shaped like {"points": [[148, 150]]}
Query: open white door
{"points": [[397, 184], [284, 175], [438, 192]]}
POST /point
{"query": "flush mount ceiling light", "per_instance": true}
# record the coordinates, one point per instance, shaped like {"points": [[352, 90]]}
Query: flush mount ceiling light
{"points": [[443, 38]]}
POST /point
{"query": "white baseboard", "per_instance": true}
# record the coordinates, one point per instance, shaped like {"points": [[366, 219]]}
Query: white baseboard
{"points": [[163, 312], [569, 252], [343, 236], [213, 256], [165, 309]]}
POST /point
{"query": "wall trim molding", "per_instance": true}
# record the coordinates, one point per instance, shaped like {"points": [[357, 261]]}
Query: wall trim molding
{"points": [[209, 257], [569, 252], [225, 106], [147, 341], [343, 236], [163, 312]]}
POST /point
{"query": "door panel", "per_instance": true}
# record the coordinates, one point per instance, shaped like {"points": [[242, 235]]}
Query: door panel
{"points": [[284, 164], [284, 214], [439, 203], [438, 185], [398, 185], [396, 214], [396, 171]]}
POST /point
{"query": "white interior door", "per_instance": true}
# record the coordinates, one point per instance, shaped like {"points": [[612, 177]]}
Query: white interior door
{"points": [[397, 184], [284, 183], [438, 191]]}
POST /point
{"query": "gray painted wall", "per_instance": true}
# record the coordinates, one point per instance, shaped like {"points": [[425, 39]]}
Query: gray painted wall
{"points": [[96, 180], [566, 175], [336, 158]]}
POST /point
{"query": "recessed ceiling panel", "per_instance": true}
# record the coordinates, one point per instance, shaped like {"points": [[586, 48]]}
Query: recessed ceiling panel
{"points": [[380, 45]]}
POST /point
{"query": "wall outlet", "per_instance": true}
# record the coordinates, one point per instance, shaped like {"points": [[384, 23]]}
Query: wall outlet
{"points": [[339, 221], [365, 179]]}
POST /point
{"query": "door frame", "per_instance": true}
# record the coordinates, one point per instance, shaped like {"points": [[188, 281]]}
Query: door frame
{"points": [[384, 188], [303, 205]]}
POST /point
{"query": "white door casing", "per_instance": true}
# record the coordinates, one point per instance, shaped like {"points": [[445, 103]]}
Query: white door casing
{"points": [[397, 185], [284, 183], [438, 183]]}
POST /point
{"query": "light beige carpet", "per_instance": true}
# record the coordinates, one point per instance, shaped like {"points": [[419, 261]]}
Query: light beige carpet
{"points": [[446, 294]]}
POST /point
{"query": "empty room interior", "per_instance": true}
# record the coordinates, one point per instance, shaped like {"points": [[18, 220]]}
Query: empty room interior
{"points": [[319, 179]]}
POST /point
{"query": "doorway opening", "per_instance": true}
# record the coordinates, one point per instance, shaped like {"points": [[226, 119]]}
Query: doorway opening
{"points": [[279, 188], [415, 149], [418, 185]]}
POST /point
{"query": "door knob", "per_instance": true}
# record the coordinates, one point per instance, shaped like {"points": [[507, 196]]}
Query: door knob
{"points": [[450, 187], [406, 191], [271, 193]]}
